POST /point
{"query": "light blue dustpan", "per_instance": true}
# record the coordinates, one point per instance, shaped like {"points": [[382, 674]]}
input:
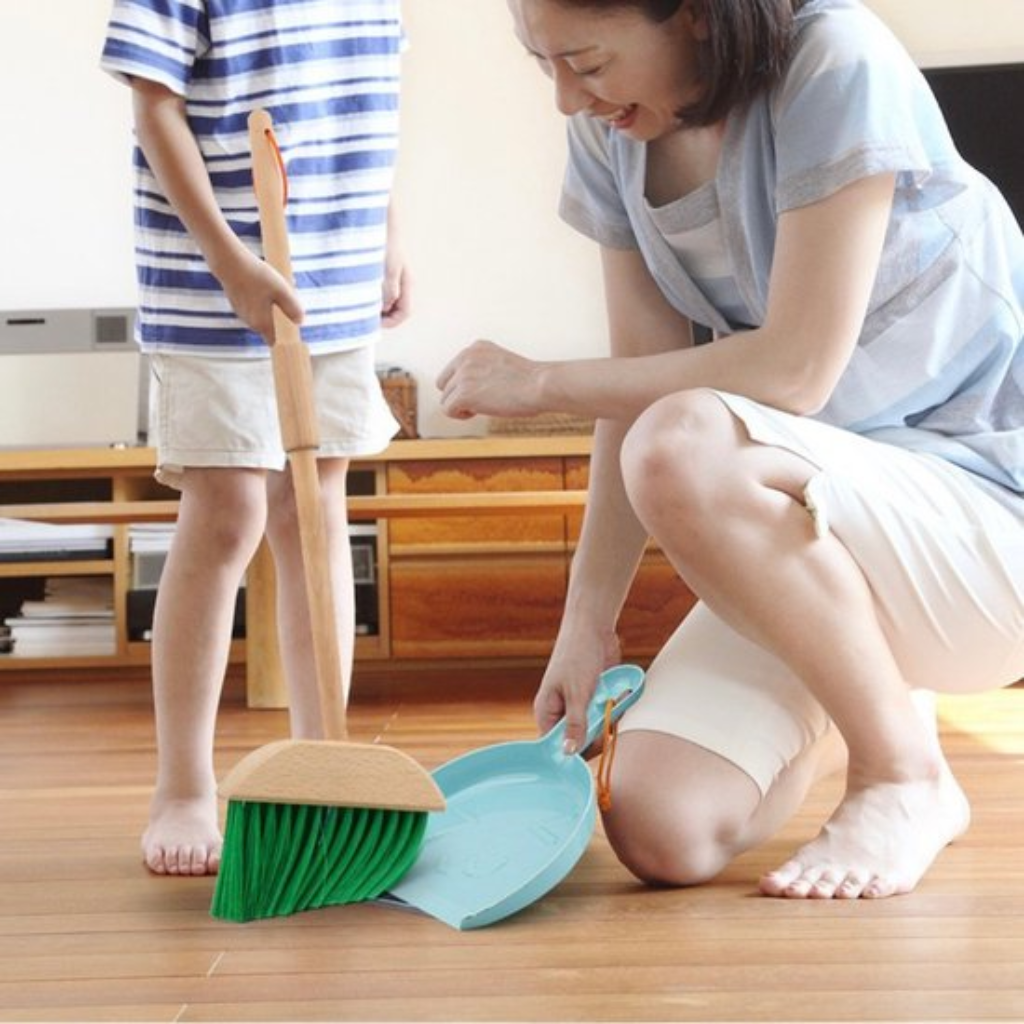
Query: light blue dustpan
{"points": [[518, 818]]}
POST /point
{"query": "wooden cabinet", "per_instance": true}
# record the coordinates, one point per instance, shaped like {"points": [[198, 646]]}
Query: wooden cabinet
{"points": [[495, 586], [474, 563], [472, 585]]}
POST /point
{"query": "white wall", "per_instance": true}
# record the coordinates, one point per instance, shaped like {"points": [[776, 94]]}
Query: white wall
{"points": [[483, 151], [481, 166], [65, 215], [941, 33]]}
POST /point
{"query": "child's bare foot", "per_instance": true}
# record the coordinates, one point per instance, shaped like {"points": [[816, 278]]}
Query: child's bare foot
{"points": [[183, 837], [879, 842]]}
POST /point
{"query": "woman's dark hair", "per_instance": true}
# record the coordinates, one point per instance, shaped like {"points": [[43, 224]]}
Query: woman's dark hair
{"points": [[747, 48]]}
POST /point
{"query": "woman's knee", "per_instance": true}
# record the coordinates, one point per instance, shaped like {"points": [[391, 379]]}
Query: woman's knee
{"points": [[685, 828], [687, 849], [671, 445]]}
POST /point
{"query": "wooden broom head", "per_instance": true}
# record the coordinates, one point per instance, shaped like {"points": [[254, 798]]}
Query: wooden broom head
{"points": [[333, 774]]}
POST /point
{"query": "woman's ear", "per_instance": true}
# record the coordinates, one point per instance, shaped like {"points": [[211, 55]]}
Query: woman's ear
{"points": [[694, 12]]}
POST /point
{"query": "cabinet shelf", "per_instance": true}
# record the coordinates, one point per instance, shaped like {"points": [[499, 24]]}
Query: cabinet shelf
{"points": [[474, 541], [64, 567]]}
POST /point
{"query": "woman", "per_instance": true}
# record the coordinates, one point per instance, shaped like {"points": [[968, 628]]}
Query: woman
{"points": [[838, 475]]}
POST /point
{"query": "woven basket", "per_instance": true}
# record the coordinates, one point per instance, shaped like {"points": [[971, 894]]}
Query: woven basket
{"points": [[542, 425], [399, 387]]}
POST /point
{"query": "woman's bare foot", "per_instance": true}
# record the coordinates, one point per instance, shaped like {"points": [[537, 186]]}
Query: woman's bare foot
{"points": [[183, 837], [879, 842]]}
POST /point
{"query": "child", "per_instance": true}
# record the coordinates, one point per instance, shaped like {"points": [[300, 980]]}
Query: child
{"points": [[329, 74]]}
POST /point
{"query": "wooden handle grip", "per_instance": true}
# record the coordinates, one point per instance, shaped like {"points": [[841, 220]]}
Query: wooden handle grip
{"points": [[268, 183], [293, 387]]}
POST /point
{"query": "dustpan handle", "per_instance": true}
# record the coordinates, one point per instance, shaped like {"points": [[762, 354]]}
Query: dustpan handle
{"points": [[623, 685], [293, 388]]}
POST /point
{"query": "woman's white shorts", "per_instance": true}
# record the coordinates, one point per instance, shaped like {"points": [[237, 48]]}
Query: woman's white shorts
{"points": [[221, 412], [944, 561]]}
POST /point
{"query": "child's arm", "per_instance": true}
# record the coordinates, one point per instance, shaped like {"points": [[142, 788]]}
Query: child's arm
{"points": [[171, 150]]}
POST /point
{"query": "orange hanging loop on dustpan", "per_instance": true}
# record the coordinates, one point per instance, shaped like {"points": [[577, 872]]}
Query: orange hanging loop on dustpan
{"points": [[610, 733]]}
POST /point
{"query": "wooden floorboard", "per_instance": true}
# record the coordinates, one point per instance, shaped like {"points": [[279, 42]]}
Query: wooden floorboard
{"points": [[87, 935]]}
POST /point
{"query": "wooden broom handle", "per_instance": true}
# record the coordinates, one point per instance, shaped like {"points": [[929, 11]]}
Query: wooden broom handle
{"points": [[293, 387]]}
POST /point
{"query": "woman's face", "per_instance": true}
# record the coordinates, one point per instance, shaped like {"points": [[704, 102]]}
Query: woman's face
{"points": [[614, 64]]}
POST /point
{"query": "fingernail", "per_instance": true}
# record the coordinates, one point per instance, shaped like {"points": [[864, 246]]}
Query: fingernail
{"points": [[569, 748]]}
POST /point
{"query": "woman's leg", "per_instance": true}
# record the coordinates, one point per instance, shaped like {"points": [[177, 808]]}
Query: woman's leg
{"points": [[292, 608], [716, 757], [219, 526], [730, 516]]}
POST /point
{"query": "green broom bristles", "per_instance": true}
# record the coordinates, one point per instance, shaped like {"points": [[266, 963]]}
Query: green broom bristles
{"points": [[280, 859]]}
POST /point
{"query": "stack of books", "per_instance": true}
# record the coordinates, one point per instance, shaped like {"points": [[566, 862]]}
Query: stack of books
{"points": [[75, 618], [148, 545], [23, 541]]}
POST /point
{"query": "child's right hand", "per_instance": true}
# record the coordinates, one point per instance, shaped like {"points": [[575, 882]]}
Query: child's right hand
{"points": [[253, 288]]}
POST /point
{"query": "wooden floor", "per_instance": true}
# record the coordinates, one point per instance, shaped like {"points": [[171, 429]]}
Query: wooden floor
{"points": [[87, 935]]}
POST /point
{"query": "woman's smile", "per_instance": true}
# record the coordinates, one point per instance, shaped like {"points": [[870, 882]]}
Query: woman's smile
{"points": [[596, 63]]}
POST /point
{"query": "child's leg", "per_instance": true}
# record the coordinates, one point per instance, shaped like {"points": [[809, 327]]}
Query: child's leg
{"points": [[292, 613], [219, 527]]}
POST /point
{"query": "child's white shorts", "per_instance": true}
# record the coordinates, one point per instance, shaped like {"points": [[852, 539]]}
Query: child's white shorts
{"points": [[944, 560], [222, 412]]}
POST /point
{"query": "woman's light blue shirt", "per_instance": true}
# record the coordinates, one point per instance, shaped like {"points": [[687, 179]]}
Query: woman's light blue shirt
{"points": [[940, 362]]}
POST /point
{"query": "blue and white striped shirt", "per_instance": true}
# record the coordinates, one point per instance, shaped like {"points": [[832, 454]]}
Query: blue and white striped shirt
{"points": [[328, 72], [939, 366]]}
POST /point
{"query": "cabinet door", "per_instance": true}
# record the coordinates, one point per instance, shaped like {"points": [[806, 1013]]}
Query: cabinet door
{"points": [[476, 586], [486, 607]]}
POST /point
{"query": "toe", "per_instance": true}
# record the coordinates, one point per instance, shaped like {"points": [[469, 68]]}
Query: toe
{"points": [[803, 887], [853, 886], [154, 860], [775, 883], [197, 861], [828, 884], [174, 859], [204, 861], [879, 889]]}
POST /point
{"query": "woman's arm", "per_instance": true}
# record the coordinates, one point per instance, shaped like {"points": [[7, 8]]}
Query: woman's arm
{"points": [[825, 262], [612, 540], [252, 286]]}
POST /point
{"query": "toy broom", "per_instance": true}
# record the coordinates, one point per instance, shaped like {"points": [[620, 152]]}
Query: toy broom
{"points": [[312, 823]]}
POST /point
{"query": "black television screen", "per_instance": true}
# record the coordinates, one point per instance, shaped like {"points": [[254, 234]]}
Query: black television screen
{"points": [[984, 108]]}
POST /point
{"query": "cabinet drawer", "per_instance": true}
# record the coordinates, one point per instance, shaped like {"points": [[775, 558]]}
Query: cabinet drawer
{"points": [[657, 603], [473, 476], [481, 607]]}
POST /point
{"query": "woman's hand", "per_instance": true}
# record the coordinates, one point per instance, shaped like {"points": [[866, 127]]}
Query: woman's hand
{"points": [[490, 380], [580, 656]]}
